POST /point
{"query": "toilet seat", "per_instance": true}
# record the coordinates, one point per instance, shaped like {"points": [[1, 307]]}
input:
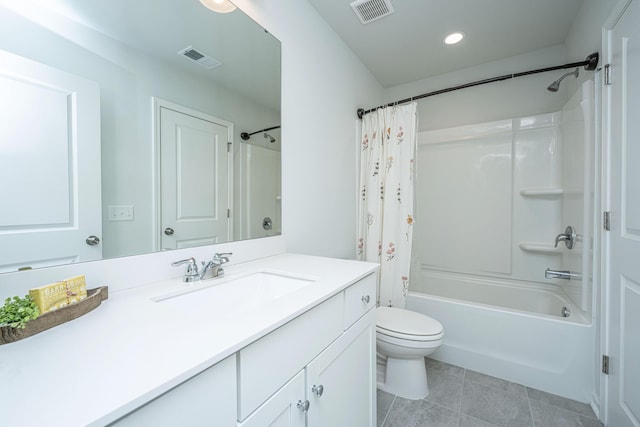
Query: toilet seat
{"points": [[403, 324]]}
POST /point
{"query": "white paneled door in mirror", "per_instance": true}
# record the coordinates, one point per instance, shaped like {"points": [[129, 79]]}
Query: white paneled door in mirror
{"points": [[50, 182], [623, 403], [195, 177]]}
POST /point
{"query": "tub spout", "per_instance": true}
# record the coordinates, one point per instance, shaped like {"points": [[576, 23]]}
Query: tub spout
{"points": [[561, 274]]}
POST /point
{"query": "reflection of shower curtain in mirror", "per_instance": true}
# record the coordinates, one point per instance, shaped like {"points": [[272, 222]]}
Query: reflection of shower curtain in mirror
{"points": [[385, 214]]}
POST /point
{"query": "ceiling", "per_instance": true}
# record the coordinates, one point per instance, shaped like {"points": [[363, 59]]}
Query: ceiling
{"points": [[250, 56], [407, 45]]}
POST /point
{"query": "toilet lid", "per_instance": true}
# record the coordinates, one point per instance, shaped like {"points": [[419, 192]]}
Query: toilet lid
{"points": [[406, 322]]}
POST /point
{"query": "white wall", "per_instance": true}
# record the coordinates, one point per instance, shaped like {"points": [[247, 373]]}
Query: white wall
{"points": [[506, 99], [585, 35]]}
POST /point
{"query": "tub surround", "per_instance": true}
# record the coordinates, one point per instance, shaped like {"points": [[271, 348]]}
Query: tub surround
{"points": [[483, 276], [132, 349], [524, 180]]}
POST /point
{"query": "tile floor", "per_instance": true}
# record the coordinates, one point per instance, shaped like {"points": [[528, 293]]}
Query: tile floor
{"points": [[463, 398]]}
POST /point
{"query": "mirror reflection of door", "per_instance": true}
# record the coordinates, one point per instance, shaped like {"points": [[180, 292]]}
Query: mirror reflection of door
{"points": [[195, 196], [50, 166]]}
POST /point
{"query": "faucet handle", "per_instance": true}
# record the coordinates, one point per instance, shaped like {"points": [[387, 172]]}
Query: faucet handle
{"points": [[192, 268], [568, 237], [223, 257]]}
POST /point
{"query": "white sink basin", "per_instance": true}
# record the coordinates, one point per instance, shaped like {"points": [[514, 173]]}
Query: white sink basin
{"points": [[224, 297]]}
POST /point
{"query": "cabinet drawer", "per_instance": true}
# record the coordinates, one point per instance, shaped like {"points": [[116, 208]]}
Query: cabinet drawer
{"points": [[267, 364], [358, 299]]}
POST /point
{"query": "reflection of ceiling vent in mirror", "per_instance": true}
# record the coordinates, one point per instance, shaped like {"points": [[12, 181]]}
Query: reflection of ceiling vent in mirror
{"points": [[199, 57], [370, 10]]}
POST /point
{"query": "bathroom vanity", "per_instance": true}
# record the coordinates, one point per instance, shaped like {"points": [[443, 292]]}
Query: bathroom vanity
{"points": [[298, 349]]}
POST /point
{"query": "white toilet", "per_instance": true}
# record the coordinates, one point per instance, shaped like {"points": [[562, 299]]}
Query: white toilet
{"points": [[403, 339]]}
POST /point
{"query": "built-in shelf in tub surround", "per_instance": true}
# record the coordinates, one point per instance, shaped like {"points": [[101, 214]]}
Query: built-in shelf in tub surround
{"points": [[541, 248], [542, 192]]}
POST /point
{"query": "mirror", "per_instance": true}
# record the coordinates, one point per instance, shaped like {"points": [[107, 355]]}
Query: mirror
{"points": [[120, 116]]}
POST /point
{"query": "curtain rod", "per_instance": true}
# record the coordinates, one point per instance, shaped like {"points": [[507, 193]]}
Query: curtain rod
{"points": [[246, 136], [589, 64]]}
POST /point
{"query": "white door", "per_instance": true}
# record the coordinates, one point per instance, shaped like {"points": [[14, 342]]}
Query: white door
{"points": [[341, 380], [194, 178], [624, 238], [49, 166]]}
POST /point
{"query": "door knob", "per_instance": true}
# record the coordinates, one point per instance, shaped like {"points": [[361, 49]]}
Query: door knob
{"points": [[303, 406], [92, 240], [168, 231], [267, 223], [317, 390]]}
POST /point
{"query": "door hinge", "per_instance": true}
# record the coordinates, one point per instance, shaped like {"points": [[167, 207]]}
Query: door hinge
{"points": [[606, 220], [228, 213], [229, 146], [607, 74], [605, 364]]}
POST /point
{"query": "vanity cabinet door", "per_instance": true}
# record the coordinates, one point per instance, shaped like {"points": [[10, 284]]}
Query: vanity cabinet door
{"points": [[284, 409], [208, 399], [341, 380], [268, 363]]}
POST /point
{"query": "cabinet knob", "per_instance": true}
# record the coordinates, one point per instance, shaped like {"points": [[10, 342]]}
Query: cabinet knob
{"points": [[317, 390], [303, 406], [365, 299]]}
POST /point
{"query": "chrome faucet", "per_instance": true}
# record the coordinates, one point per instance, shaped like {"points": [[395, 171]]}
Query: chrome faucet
{"points": [[192, 273], [568, 237], [217, 261]]}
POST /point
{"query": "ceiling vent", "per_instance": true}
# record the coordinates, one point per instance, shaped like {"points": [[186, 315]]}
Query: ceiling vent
{"points": [[199, 57], [371, 10]]}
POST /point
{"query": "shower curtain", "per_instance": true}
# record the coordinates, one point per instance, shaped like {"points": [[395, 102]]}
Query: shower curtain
{"points": [[385, 214]]}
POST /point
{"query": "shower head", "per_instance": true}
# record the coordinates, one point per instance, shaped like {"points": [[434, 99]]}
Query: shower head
{"points": [[553, 87], [271, 139]]}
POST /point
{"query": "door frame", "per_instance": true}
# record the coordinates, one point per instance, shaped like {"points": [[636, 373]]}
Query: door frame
{"points": [[157, 104], [605, 316]]}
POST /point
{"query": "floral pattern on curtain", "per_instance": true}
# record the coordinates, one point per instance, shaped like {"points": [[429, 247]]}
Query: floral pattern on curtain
{"points": [[385, 213]]}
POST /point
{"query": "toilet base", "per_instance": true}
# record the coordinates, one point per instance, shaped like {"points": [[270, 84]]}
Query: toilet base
{"points": [[406, 378]]}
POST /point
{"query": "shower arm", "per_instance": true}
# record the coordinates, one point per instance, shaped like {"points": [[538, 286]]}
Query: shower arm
{"points": [[245, 136], [589, 64]]}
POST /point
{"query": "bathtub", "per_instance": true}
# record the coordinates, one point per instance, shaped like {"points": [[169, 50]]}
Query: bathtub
{"points": [[510, 330]]}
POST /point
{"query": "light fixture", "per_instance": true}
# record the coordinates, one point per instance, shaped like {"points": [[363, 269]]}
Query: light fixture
{"points": [[220, 6], [452, 38]]}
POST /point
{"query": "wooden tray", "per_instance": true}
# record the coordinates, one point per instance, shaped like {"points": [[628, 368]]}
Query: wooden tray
{"points": [[54, 318]]}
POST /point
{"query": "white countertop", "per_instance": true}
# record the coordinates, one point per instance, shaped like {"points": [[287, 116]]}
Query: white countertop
{"points": [[101, 366]]}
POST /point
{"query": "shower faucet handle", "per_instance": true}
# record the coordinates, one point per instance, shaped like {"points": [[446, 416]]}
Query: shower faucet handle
{"points": [[568, 237]]}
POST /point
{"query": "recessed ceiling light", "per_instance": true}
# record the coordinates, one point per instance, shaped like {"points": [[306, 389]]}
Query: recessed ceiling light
{"points": [[453, 38], [220, 6]]}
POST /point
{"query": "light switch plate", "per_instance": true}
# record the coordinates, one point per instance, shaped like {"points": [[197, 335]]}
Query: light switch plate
{"points": [[121, 213]]}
